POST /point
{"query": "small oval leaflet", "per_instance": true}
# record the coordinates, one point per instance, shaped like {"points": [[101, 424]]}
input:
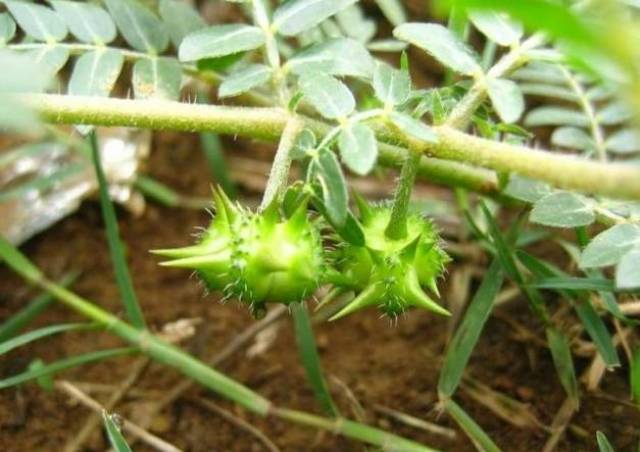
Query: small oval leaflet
{"points": [[358, 148], [442, 44], [37, 21], [392, 86], [506, 98], [328, 95], [87, 22], [563, 210], [139, 26], [608, 247], [157, 78], [181, 19], [295, 16], [243, 80], [220, 40]]}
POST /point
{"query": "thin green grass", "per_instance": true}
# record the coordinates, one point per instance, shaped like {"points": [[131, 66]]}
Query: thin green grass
{"points": [[468, 333], [164, 353], [34, 335], [36, 372], [123, 279], [21, 319], [480, 439], [310, 360], [116, 439]]}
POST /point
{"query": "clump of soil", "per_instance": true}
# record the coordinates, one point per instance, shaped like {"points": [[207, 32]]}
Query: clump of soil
{"points": [[393, 365]]}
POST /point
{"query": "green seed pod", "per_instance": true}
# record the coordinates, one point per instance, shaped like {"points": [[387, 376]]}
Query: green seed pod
{"points": [[390, 273], [256, 257]]}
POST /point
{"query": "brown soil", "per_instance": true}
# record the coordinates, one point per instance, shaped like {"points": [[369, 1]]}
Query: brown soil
{"points": [[392, 365]]}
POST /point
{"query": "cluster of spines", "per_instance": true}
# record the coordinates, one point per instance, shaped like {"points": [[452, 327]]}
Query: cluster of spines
{"points": [[261, 257], [389, 273], [255, 257]]}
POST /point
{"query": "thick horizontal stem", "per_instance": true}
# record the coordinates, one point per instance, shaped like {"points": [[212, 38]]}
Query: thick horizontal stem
{"points": [[563, 171], [261, 123], [614, 180]]}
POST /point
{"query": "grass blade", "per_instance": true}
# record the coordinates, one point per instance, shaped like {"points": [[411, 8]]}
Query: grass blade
{"points": [[505, 253], [603, 443], [478, 437], [575, 283], [563, 361], [309, 357], [166, 196], [129, 299], [634, 377], [19, 262], [590, 319], [212, 149], [598, 332], [360, 432], [469, 331], [189, 366], [34, 335], [116, 439], [26, 315], [64, 364]]}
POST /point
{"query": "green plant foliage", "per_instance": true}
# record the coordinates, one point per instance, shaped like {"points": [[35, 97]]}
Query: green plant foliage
{"points": [[157, 78], [337, 57], [38, 22], [392, 86], [116, 439], [219, 41], [358, 148], [441, 44], [244, 80], [498, 27], [328, 95], [180, 18], [87, 22], [468, 333], [296, 16], [7, 28], [310, 75], [563, 209], [140, 27], [95, 73], [507, 99]]}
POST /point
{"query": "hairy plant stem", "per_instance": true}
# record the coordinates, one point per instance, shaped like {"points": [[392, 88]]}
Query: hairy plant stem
{"points": [[279, 175], [397, 227], [563, 171]]}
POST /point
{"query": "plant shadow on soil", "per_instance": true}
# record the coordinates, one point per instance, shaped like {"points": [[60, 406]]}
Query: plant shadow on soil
{"points": [[392, 365]]}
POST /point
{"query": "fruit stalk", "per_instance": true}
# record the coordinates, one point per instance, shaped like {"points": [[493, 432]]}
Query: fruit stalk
{"points": [[397, 227], [279, 175]]}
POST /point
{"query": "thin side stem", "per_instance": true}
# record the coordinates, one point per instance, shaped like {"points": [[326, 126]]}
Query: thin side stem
{"points": [[397, 227], [587, 107], [461, 115], [279, 175]]}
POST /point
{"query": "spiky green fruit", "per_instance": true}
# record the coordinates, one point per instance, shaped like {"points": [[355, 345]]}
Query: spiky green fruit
{"points": [[256, 257], [391, 273]]}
